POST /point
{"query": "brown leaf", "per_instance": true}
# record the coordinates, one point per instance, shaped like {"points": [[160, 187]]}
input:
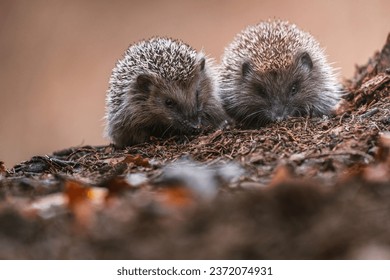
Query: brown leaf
{"points": [[116, 186], [383, 153], [176, 196], [282, 173], [137, 160], [378, 174], [3, 170], [77, 192], [83, 201]]}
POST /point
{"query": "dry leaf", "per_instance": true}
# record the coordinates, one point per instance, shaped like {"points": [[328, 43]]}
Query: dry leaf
{"points": [[116, 186], [176, 196], [47, 207], [3, 170], [137, 160], [383, 154], [379, 173], [76, 193], [282, 173]]}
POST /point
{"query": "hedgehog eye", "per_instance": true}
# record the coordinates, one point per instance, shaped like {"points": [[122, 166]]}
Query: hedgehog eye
{"points": [[294, 89], [169, 103], [260, 91]]}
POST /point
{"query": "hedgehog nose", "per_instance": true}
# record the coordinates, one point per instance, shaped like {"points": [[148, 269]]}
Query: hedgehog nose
{"points": [[279, 118], [279, 114], [195, 128]]}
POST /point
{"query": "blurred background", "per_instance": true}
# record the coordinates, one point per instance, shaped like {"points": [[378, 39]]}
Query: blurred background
{"points": [[56, 56]]}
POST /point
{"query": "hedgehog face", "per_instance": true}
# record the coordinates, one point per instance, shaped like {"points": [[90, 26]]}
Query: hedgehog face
{"points": [[176, 107], [278, 94]]}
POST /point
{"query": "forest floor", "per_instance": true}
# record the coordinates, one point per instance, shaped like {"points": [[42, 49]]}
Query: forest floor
{"points": [[305, 188]]}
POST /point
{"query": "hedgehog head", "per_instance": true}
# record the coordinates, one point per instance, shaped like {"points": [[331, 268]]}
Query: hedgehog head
{"points": [[173, 101], [272, 71]]}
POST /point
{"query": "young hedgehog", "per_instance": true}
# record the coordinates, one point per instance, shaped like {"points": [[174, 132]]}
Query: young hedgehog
{"points": [[272, 71], [161, 87]]}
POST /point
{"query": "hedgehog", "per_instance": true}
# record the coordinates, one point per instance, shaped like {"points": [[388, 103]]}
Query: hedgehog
{"points": [[162, 87], [274, 70]]}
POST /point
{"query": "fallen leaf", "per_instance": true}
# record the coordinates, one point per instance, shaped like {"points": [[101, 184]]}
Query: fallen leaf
{"points": [[282, 173], [3, 170], [77, 192], [47, 207], [379, 173], [383, 153], [176, 196], [116, 186], [137, 160]]}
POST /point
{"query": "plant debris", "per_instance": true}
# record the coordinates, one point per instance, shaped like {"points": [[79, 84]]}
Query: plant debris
{"points": [[304, 188]]}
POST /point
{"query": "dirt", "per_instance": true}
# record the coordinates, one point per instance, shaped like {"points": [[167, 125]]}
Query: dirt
{"points": [[305, 188]]}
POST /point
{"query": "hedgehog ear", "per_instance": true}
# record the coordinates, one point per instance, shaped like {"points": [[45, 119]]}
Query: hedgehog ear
{"points": [[202, 63], [305, 61], [246, 68], [144, 83]]}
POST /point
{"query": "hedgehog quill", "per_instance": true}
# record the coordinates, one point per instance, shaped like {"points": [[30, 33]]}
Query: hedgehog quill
{"points": [[274, 70], [161, 87]]}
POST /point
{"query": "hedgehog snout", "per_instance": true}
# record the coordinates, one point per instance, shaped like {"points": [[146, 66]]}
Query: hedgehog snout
{"points": [[279, 113], [195, 128], [191, 127]]}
